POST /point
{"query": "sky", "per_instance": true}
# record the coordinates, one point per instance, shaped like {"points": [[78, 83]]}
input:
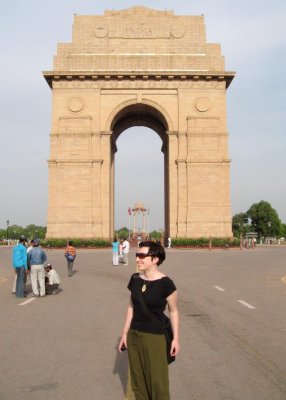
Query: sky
{"points": [[252, 35]]}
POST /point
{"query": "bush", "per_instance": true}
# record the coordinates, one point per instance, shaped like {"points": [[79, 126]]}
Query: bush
{"points": [[83, 243], [204, 242]]}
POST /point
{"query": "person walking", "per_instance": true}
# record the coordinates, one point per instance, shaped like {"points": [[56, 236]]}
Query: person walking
{"points": [[144, 336], [36, 259], [125, 248], [115, 251], [19, 259], [70, 254]]}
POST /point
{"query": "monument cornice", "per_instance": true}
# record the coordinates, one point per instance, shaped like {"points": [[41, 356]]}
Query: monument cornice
{"points": [[72, 161], [191, 75]]}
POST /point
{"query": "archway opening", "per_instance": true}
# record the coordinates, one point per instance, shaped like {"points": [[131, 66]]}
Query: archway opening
{"points": [[139, 167]]}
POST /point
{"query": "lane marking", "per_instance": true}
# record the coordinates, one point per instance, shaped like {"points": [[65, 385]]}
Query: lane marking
{"points": [[283, 279], [245, 304], [3, 280], [27, 301], [219, 288]]}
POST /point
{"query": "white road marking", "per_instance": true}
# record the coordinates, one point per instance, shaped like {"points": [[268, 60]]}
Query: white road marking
{"points": [[245, 304], [219, 288], [27, 301]]}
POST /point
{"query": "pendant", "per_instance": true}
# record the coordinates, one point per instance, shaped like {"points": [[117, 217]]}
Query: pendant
{"points": [[143, 288]]}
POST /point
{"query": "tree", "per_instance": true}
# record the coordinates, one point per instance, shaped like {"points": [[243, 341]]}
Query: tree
{"points": [[240, 224], [32, 231], [156, 235], [123, 233], [283, 230], [264, 219]]}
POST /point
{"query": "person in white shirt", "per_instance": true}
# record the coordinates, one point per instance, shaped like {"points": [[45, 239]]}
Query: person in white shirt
{"points": [[125, 247], [52, 280]]}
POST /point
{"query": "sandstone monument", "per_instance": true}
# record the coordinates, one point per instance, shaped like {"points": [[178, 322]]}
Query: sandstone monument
{"points": [[138, 67]]}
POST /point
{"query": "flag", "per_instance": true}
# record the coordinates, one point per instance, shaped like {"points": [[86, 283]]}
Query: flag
{"points": [[129, 211]]}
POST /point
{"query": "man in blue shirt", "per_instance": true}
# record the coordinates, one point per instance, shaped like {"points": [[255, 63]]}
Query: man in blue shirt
{"points": [[20, 265], [37, 258]]}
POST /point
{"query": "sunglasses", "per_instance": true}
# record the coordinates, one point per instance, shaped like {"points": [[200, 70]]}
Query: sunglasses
{"points": [[141, 256]]}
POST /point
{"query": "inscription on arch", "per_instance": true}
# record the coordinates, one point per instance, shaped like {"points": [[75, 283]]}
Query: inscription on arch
{"points": [[141, 31]]}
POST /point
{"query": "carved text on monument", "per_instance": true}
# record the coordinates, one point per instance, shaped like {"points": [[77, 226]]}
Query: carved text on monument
{"points": [[141, 31]]}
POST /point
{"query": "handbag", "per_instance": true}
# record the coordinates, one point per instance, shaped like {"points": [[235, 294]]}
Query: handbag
{"points": [[165, 322], [70, 257]]}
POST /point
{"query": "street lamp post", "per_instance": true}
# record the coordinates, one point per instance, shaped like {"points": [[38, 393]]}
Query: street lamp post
{"points": [[7, 228]]}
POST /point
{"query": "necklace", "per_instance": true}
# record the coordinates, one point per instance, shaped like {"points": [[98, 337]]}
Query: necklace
{"points": [[144, 287]]}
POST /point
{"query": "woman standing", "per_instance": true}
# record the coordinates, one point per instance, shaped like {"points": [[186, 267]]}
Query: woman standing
{"points": [[143, 336], [70, 254], [115, 250]]}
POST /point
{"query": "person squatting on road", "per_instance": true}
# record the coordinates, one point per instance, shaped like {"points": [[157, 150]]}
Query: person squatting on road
{"points": [[36, 259], [143, 336], [70, 255], [52, 280]]}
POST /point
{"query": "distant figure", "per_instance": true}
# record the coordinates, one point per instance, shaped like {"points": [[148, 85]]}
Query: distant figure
{"points": [[125, 247], [52, 280], [27, 272], [36, 259], [120, 251], [169, 242], [70, 254], [115, 250], [20, 265]]}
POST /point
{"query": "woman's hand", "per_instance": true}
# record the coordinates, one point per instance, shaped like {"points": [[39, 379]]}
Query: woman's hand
{"points": [[123, 343], [175, 347]]}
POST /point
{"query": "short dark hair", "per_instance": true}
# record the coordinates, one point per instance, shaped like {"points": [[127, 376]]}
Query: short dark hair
{"points": [[22, 239], [155, 249], [69, 243]]}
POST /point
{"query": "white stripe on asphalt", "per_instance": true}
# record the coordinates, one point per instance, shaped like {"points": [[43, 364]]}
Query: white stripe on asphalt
{"points": [[27, 301], [245, 304], [219, 288]]}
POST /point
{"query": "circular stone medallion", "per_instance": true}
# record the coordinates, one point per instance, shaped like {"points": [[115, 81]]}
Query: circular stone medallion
{"points": [[101, 32], [177, 31], [75, 104], [202, 104]]}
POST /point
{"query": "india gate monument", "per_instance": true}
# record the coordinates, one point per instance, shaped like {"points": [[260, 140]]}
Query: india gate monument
{"points": [[138, 67]]}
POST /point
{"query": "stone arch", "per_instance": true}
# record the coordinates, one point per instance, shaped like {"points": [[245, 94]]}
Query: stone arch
{"points": [[141, 114], [153, 105]]}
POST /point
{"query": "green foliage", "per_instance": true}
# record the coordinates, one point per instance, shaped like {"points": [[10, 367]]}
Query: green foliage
{"points": [[204, 242], [264, 219], [30, 232], [122, 233], [155, 235], [283, 230], [240, 224], [82, 243]]}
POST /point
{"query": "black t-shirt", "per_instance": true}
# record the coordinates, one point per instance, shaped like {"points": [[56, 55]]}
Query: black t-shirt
{"points": [[155, 298]]}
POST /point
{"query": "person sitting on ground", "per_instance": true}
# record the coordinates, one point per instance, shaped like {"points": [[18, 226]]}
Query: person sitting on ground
{"points": [[52, 280]]}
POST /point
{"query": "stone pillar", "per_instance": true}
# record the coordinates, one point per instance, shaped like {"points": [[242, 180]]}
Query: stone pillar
{"points": [[173, 183], [107, 191]]}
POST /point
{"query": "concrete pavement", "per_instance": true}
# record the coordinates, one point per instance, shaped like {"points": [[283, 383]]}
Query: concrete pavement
{"points": [[233, 325]]}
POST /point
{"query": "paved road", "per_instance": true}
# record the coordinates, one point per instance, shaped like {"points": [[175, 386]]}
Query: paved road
{"points": [[233, 328]]}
